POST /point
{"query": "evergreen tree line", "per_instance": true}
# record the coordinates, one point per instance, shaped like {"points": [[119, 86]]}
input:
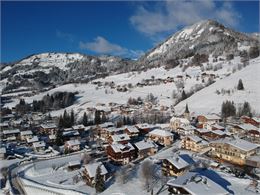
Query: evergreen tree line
{"points": [[228, 109], [55, 101], [66, 120]]}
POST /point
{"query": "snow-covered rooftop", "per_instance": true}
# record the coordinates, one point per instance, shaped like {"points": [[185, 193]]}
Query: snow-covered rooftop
{"points": [[39, 144], [197, 184], [120, 137], [73, 142], [142, 145], [160, 132], [92, 169], [122, 147]]}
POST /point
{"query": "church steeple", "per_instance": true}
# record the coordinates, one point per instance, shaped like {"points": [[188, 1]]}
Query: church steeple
{"points": [[187, 112]]}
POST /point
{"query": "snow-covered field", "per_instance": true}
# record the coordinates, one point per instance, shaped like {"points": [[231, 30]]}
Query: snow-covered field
{"points": [[203, 101], [208, 101]]}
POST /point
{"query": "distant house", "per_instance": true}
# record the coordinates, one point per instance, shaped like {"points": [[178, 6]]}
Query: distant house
{"points": [[162, 137], [243, 129], [90, 170], [106, 133], [31, 140], [72, 145], [253, 121], [194, 183], [145, 148], [233, 150], [26, 134], [253, 135], [144, 128], [194, 143], [203, 120], [4, 126], [11, 135], [39, 146], [48, 129], [177, 122], [121, 153], [176, 165], [79, 128], [70, 134], [119, 138], [132, 131]]}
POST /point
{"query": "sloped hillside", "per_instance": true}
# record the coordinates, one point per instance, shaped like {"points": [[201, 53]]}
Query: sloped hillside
{"points": [[208, 101]]}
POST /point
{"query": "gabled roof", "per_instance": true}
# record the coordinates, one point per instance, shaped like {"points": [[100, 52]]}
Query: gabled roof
{"points": [[33, 139], [132, 129], [49, 126], [26, 132], [92, 169], [73, 142], [6, 132], [182, 120], [120, 137], [178, 162], [122, 147], [39, 144], [161, 133], [197, 184], [238, 143], [142, 145]]}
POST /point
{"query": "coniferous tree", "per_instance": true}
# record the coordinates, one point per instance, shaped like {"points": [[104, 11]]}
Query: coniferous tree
{"points": [[72, 118], [246, 110], [228, 109], [97, 117], [240, 85], [59, 138], [187, 109], [85, 119], [61, 123], [183, 95], [99, 181]]}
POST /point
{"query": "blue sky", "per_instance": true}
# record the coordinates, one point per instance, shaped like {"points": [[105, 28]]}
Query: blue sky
{"points": [[120, 28]]}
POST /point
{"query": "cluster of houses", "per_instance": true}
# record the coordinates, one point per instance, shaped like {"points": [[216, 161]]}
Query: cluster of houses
{"points": [[235, 142]]}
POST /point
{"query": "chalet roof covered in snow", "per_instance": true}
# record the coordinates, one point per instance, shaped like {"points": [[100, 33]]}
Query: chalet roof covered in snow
{"points": [[182, 120], [142, 145], [212, 117], [197, 184], [132, 129], [107, 124], [238, 143], [33, 139], [178, 162], [120, 137], [12, 131], [92, 169], [247, 127], [48, 126], [122, 147], [39, 144], [26, 132], [73, 142], [160, 133]]}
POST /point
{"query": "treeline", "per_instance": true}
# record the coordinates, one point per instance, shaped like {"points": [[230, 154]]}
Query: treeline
{"points": [[228, 109], [55, 101]]}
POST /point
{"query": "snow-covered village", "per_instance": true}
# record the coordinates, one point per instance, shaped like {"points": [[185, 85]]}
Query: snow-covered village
{"points": [[182, 117]]}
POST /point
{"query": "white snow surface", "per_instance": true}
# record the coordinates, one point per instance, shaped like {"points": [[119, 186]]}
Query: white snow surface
{"points": [[207, 101]]}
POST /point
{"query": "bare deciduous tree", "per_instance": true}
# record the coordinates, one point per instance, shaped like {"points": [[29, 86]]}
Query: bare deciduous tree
{"points": [[86, 158], [147, 171]]}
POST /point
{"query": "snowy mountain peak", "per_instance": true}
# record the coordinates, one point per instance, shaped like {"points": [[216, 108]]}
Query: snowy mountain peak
{"points": [[204, 37]]}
